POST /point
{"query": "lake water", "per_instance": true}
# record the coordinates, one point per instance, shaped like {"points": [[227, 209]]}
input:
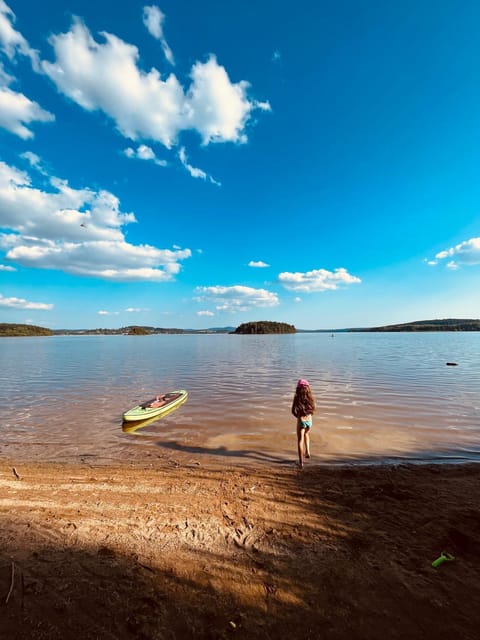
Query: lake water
{"points": [[381, 397]]}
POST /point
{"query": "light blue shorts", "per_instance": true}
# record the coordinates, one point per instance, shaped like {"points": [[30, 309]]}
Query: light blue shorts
{"points": [[304, 424]]}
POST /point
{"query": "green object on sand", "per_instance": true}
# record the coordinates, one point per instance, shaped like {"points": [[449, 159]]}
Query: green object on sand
{"points": [[444, 557]]}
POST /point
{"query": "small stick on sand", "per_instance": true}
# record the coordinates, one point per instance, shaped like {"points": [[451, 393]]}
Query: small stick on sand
{"points": [[15, 473], [11, 583]]}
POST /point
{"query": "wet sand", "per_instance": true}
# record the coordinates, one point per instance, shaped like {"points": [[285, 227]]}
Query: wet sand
{"points": [[191, 546]]}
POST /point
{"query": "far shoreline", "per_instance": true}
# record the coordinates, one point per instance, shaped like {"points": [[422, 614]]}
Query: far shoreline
{"points": [[421, 326]]}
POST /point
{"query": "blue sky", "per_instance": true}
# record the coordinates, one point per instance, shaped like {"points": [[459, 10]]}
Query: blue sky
{"points": [[200, 164]]}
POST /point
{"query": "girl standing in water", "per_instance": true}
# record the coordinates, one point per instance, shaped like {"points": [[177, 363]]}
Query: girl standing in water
{"points": [[303, 408]]}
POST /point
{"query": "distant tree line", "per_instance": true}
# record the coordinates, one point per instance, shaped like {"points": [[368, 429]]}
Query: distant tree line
{"points": [[11, 330], [265, 326], [138, 330]]}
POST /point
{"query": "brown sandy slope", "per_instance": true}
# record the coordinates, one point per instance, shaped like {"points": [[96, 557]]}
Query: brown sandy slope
{"points": [[203, 551]]}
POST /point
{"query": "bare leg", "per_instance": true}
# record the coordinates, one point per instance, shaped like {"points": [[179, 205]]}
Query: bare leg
{"points": [[307, 443], [301, 445]]}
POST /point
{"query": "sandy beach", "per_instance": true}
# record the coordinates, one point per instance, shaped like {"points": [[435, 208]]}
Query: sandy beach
{"points": [[191, 548]]}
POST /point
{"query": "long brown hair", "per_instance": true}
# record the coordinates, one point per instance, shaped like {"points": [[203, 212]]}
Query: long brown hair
{"points": [[303, 402]]}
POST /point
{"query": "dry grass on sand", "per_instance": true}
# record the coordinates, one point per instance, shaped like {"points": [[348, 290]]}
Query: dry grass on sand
{"points": [[208, 551]]}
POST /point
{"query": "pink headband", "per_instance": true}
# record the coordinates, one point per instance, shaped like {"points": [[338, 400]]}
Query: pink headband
{"points": [[303, 383]]}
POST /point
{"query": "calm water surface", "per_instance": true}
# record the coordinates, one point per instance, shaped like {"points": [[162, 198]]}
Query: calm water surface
{"points": [[381, 397]]}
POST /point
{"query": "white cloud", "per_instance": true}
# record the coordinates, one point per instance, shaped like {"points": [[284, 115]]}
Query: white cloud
{"points": [[464, 253], [452, 265], [237, 297], [216, 108], [134, 310], [316, 280], [144, 152], [153, 19], [5, 78], [4, 267], [17, 111], [144, 105], [21, 303], [58, 214], [259, 264], [114, 261], [193, 171], [108, 313], [205, 313], [77, 231], [32, 159], [11, 41]]}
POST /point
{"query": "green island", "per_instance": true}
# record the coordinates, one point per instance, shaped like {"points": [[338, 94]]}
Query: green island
{"points": [[138, 331], [265, 326]]}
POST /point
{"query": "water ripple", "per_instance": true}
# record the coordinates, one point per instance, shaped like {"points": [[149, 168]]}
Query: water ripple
{"points": [[378, 395]]}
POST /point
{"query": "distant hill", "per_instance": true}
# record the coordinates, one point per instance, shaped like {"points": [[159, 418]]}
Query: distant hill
{"points": [[450, 324], [18, 330]]}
